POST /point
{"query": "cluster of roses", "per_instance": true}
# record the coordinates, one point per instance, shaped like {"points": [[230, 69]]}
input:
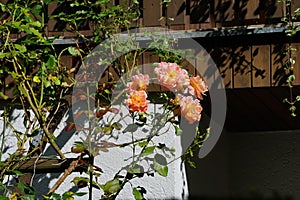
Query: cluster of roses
{"points": [[171, 77]]}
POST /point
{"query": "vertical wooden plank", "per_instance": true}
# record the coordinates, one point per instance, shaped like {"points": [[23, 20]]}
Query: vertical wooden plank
{"points": [[224, 10], [222, 58], [296, 56], [274, 10], [176, 10], [152, 12], [296, 5], [261, 66], [203, 66], [278, 58], [199, 11], [250, 9], [241, 59]]}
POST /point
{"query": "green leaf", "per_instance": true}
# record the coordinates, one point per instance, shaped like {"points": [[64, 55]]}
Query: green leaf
{"points": [[142, 144], [4, 198], [55, 80], [73, 51], [3, 96], [2, 55], [29, 197], [291, 78], [21, 48], [137, 194], [160, 165], [136, 169], [80, 194], [36, 23], [148, 151], [178, 130], [111, 186], [117, 126], [78, 147], [81, 182], [35, 32], [68, 195], [107, 130], [51, 63], [47, 83]]}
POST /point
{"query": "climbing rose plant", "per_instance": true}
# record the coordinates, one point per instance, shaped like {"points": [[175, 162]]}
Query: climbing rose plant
{"points": [[175, 79]]}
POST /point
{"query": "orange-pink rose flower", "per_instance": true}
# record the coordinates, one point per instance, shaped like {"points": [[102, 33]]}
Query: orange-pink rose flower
{"points": [[172, 77], [137, 101], [139, 82], [190, 108], [197, 87]]}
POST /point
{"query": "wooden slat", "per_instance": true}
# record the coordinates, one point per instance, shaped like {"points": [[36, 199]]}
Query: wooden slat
{"points": [[199, 11], [278, 58], [250, 9], [176, 10], [261, 66], [274, 9], [241, 59], [222, 60], [203, 66], [224, 10], [296, 56], [152, 12]]}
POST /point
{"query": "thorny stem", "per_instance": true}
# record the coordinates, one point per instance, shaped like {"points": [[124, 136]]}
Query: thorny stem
{"points": [[3, 133]]}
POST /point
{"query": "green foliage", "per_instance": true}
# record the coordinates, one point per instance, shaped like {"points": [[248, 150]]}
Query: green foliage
{"points": [[291, 15], [42, 81]]}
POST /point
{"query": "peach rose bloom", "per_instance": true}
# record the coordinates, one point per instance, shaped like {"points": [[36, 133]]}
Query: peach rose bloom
{"points": [[190, 108], [137, 101], [172, 77], [139, 82], [197, 87]]}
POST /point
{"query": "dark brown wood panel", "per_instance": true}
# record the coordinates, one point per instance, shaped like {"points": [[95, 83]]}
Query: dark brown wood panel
{"points": [[199, 11], [273, 9], [296, 56], [222, 59], [152, 12], [278, 58], [224, 10], [241, 59], [261, 66], [176, 10]]}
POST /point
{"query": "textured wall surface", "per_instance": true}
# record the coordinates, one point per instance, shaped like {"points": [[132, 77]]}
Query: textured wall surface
{"points": [[172, 187]]}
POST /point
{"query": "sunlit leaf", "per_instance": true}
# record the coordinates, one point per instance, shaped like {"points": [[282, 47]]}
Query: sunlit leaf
{"points": [[73, 51], [111, 186], [148, 151], [160, 165], [137, 194]]}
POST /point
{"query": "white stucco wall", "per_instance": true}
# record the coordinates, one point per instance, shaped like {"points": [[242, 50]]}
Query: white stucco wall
{"points": [[174, 186]]}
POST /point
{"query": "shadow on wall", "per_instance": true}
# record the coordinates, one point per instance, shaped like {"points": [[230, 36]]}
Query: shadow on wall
{"points": [[246, 166]]}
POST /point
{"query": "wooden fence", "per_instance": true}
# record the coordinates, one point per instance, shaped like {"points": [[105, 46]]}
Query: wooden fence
{"points": [[191, 14]]}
